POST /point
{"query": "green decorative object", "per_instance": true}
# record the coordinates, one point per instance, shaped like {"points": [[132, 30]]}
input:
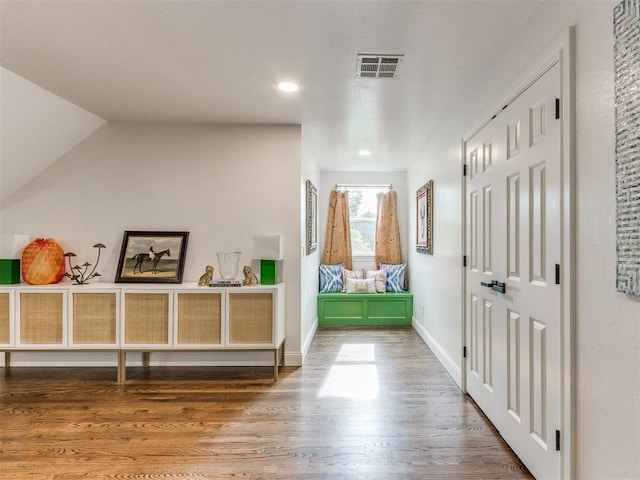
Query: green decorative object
{"points": [[9, 271], [268, 272], [269, 249]]}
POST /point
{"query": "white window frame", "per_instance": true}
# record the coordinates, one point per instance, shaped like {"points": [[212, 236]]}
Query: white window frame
{"points": [[361, 257]]}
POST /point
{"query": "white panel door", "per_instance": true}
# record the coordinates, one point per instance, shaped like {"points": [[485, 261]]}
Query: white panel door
{"points": [[485, 191], [513, 243]]}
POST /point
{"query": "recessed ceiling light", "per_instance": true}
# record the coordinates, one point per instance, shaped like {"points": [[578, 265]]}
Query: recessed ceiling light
{"points": [[364, 153], [288, 87]]}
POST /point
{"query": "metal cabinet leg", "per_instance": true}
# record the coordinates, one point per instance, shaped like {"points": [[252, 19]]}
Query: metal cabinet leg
{"points": [[276, 363], [7, 360], [145, 359], [122, 366], [277, 360]]}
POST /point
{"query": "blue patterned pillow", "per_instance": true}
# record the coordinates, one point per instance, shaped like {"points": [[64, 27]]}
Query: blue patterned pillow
{"points": [[331, 278], [395, 277]]}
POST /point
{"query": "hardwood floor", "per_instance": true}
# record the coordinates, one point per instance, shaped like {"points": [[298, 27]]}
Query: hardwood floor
{"points": [[368, 404]]}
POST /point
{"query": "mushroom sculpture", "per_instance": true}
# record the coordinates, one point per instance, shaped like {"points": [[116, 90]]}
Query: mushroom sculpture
{"points": [[80, 274]]}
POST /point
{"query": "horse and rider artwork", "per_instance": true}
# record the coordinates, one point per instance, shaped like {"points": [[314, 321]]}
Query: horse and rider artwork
{"points": [[152, 257]]}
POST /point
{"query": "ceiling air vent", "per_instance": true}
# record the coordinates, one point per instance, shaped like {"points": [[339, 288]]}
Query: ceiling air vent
{"points": [[378, 66]]}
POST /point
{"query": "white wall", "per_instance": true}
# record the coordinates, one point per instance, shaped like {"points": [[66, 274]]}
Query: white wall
{"points": [[329, 179], [221, 183], [436, 279], [309, 264], [37, 128], [607, 322]]}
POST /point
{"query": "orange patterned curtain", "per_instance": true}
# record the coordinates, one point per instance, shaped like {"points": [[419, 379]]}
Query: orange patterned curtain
{"points": [[337, 246], [388, 248]]}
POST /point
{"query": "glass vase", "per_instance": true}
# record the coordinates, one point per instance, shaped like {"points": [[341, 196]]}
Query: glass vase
{"points": [[228, 264]]}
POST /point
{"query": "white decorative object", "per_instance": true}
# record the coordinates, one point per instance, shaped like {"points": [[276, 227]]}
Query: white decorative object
{"points": [[268, 247], [11, 245]]}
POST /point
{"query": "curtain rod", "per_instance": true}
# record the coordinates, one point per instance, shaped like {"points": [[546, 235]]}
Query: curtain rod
{"points": [[363, 185]]}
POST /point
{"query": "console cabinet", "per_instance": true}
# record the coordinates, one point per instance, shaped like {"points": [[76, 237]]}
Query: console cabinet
{"points": [[142, 318]]}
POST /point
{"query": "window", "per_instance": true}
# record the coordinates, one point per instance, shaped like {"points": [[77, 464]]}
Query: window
{"points": [[363, 209]]}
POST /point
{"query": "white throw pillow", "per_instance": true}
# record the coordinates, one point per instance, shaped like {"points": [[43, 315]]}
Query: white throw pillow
{"points": [[361, 286], [354, 274], [380, 278]]}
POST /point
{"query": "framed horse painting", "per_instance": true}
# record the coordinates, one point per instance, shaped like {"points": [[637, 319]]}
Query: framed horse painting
{"points": [[152, 257]]}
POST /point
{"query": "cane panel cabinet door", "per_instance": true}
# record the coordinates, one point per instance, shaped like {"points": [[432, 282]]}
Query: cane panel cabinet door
{"points": [[41, 318], [94, 318], [6, 315], [147, 318], [199, 319], [255, 317]]}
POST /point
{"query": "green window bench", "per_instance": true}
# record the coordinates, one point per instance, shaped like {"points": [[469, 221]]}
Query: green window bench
{"points": [[363, 309]]}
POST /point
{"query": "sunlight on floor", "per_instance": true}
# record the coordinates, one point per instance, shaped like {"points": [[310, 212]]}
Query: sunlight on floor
{"points": [[357, 352], [354, 374], [359, 382]]}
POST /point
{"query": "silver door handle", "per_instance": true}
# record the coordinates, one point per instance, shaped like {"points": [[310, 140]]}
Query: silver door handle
{"points": [[496, 286]]}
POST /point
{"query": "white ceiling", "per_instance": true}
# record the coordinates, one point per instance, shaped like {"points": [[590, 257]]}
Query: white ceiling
{"points": [[219, 61]]}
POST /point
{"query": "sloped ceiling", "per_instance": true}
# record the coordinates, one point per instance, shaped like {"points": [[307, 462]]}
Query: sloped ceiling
{"points": [[38, 127], [219, 61]]}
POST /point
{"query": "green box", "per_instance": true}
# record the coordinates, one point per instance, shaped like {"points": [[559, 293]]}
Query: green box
{"points": [[268, 272], [9, 271]]}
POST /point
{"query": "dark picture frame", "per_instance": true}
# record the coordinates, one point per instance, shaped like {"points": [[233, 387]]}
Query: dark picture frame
{"points": [[136, 264], [627, 123], [424, 218], [312, 218]]}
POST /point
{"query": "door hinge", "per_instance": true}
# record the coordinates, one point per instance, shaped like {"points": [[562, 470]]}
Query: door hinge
{"points": [[557, 109], [557, 440], [464, 169], [464, 352], [557, 274], [464, 260]]}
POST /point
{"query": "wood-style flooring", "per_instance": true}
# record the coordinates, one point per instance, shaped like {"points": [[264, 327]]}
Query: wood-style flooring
{"points": [[368, 404]]}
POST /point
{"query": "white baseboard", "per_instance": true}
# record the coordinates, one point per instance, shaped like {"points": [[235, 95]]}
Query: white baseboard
{"points": [[440, 354], [309, 339], [296, 359], [182, 358], [138, 363], [134, 359], [293, 359]]}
